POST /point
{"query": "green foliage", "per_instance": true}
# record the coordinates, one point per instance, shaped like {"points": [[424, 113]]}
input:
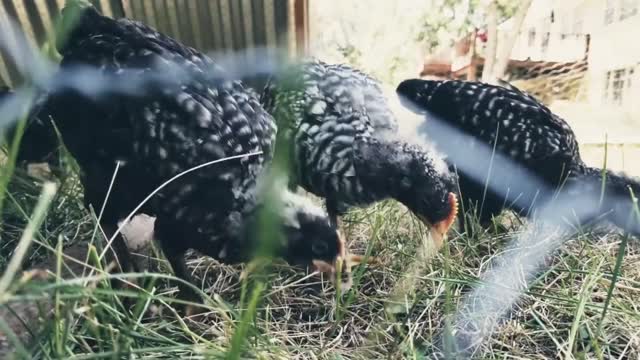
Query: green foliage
{"points": [[449, 20], [351, 53]]}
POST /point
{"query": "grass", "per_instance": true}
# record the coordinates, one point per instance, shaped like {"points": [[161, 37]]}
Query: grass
{"points": [[581, 305]]}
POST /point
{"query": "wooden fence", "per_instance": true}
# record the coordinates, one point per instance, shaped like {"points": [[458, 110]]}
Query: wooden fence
{"points": [[208, 25]]}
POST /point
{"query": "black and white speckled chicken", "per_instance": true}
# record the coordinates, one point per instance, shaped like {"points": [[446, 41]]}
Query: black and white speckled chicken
{"points": [[342, 137], [542, 148], [172, 122]]}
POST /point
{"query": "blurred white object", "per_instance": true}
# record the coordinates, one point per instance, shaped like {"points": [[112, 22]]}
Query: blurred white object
{"points": [[138, 235]]}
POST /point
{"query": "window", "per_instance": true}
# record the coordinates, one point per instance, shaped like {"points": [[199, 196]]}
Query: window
{"points": [[577, 26], [545, 41], [609, 11], [578, 20], [618, 85], [532, 36], [628, 8], [618, 10], [565, 25]]}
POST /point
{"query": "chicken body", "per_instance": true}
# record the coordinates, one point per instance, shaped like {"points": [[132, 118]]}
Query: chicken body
{"points": [[536, 152], [342, 139], [176, 112]]}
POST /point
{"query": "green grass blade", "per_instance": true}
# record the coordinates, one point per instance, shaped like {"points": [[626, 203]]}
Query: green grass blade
{"points": [[238, 339], [48, 192]]}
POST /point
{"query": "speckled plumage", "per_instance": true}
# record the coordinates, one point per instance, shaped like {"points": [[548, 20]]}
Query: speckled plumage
{"points": [[168, 126], [520, 128], [343, 140], [165, 129]]}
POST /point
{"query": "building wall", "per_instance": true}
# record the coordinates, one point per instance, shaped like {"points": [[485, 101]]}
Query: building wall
{"points": [[593, 116], [614, 46], [549, 33]]}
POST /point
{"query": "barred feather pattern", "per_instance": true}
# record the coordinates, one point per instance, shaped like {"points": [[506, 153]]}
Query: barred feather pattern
{"points": [[540, 143], [329, 107], [515, 122], [344, 142], [165, 128]]}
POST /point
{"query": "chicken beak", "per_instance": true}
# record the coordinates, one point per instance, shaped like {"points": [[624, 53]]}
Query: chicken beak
{"points": [[439, 230]]}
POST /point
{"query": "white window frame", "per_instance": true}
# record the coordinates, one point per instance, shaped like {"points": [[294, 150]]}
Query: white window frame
{"points": [[610, 12], [628, 9], [618, 87], [620, 10]]}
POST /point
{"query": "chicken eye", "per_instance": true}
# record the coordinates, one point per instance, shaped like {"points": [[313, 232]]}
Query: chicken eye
{"points": [[319, 248]]}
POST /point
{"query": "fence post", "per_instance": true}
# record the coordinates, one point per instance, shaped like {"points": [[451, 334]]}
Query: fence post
{"points": [[117, 8]]}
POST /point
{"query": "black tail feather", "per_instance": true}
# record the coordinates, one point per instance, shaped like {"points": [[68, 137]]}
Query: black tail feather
{"points": [[415, 93]]}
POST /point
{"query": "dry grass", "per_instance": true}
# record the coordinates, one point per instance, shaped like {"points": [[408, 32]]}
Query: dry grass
{"points": [[397, 310]]}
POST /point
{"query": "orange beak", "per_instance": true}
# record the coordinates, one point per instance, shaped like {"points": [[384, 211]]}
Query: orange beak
{"points": [[340, 270], [439, 230]]}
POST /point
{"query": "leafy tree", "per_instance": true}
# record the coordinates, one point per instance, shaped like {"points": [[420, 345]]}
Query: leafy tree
{"points": [[449, 20]]}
